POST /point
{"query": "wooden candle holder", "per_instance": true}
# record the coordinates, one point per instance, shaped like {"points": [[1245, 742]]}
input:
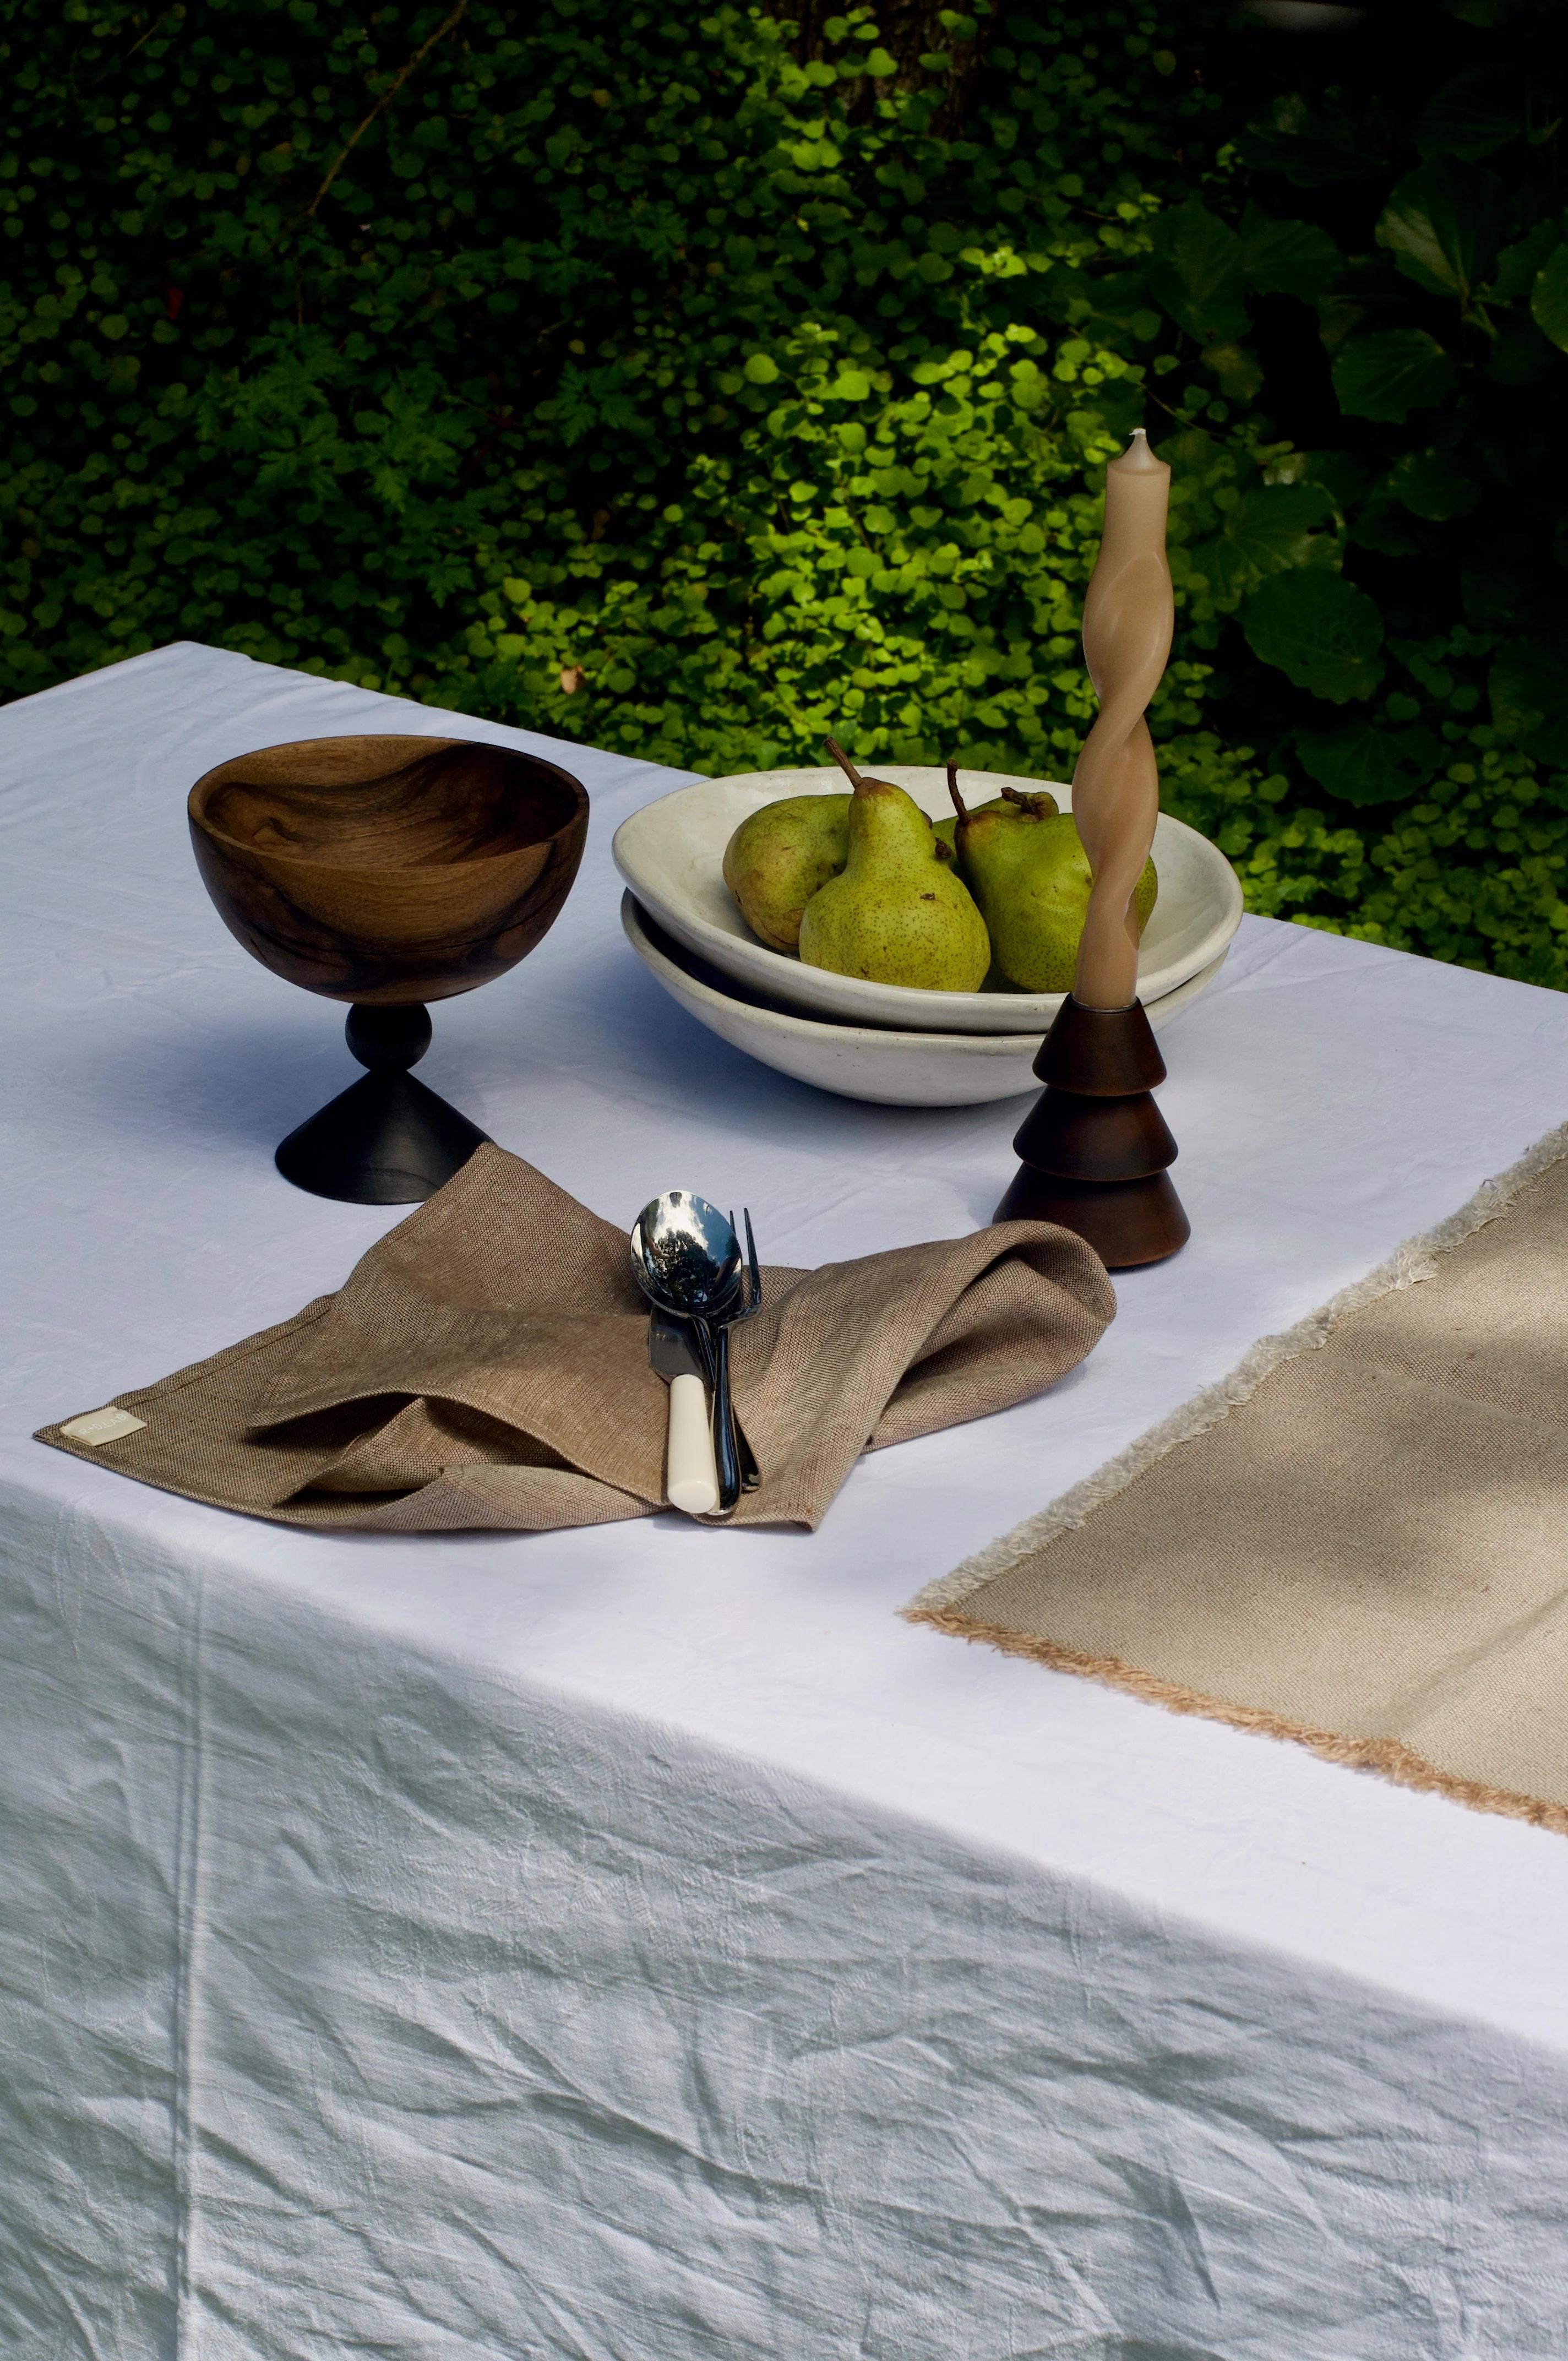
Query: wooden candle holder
{"points": [[1096, 1149]]}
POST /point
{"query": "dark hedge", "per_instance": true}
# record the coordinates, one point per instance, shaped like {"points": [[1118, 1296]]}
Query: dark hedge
{"points": [[691, 379]]}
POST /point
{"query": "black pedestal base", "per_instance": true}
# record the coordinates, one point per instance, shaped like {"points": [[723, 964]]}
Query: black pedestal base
{"points": [[386, 1140]]}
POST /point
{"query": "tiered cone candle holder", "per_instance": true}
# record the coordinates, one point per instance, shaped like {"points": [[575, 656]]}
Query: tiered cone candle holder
{"points": [[1095, 1148]]}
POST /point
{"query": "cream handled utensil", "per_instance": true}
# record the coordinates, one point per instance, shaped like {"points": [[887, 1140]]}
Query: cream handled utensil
{"points": [[691, 1478], [687, 1261], [675, 1267]]}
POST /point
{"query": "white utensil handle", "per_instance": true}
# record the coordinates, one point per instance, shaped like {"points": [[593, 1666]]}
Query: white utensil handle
{"points": [[691, 1480]]}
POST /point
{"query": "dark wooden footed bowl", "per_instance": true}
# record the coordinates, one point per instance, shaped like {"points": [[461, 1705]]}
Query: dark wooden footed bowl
{"points": [[387, 870]]}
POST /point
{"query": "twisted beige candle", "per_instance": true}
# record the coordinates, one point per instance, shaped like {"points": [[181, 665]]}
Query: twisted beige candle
{"points": [[1128, 617]]}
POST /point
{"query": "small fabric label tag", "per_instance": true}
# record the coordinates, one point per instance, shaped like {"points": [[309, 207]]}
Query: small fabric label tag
{"points": [[103, 1426]]}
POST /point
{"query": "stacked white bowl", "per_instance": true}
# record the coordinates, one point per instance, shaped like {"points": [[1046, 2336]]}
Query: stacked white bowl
{"points": [[881, 1041]]}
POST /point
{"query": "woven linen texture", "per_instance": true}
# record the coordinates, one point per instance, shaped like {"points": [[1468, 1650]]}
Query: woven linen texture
{"points": [[1366, 1551]]}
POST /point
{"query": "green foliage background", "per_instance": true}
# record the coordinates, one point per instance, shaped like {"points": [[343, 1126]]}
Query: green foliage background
{"points": [[692, 381]]}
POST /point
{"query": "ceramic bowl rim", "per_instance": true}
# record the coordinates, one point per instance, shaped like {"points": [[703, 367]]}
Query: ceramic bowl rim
{"points": [[767, 969], [642, 926]]}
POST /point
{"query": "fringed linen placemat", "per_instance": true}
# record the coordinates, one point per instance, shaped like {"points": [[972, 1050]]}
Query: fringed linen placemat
{"points": [[1358, 1541]]}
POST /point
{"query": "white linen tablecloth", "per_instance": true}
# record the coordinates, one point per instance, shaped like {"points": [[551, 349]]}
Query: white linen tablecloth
{"points": [[638, 1944]]}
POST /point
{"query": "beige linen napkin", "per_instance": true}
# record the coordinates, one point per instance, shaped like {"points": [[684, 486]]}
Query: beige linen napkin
{"points": [[486, 1365], [1363, 1547]]}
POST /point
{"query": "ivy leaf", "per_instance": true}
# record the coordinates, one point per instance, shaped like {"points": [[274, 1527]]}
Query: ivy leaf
{"points": [[1268, 530], [1490, 596], [1469, 118], [1442, 225], [1431, 483], [1271, 526], [1196, 273], [1238, 369], [1521, 353], [1528, 689], [1342, 474], [1359, 764], [1389, 373], [1518, 264], [1320, 631], [1381, 523], [1286, 257], [1311, 149], [1549, 298], [1483, 11]]}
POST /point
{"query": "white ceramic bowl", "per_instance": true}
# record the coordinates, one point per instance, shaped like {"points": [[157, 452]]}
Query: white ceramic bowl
{"points": [[857, 1062], [671, 853]]}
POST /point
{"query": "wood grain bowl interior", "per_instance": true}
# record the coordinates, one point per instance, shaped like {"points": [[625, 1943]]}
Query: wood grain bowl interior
{"points": [[388, 869]]}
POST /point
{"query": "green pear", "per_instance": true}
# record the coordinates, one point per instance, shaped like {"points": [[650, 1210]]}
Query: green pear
{"points": [[1044, 805], [898, 914], [776, 860], [1030, 876]]}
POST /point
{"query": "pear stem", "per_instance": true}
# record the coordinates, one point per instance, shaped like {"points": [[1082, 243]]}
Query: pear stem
{"points": [[958, 804], [843, 761]]}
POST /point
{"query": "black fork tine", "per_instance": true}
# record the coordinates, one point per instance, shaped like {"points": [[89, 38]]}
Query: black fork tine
{"points": [[750, 1477], [754, 1292]]}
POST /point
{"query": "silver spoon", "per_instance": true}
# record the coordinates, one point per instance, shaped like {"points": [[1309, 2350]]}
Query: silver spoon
{"points": [[687, 1260]]}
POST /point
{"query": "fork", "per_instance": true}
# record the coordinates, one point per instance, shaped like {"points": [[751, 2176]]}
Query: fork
{"points": [[751, 1289]]}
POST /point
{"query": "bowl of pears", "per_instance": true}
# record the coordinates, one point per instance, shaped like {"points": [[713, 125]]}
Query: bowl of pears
{"points": [[918, 898]]}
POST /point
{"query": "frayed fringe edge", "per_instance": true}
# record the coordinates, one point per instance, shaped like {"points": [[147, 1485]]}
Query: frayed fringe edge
{"points": [[1390, 1757], [1408, 1264]]}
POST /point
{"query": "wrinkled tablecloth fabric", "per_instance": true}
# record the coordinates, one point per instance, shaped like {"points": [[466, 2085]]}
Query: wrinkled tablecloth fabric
{"points": [[636, 1944]]}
